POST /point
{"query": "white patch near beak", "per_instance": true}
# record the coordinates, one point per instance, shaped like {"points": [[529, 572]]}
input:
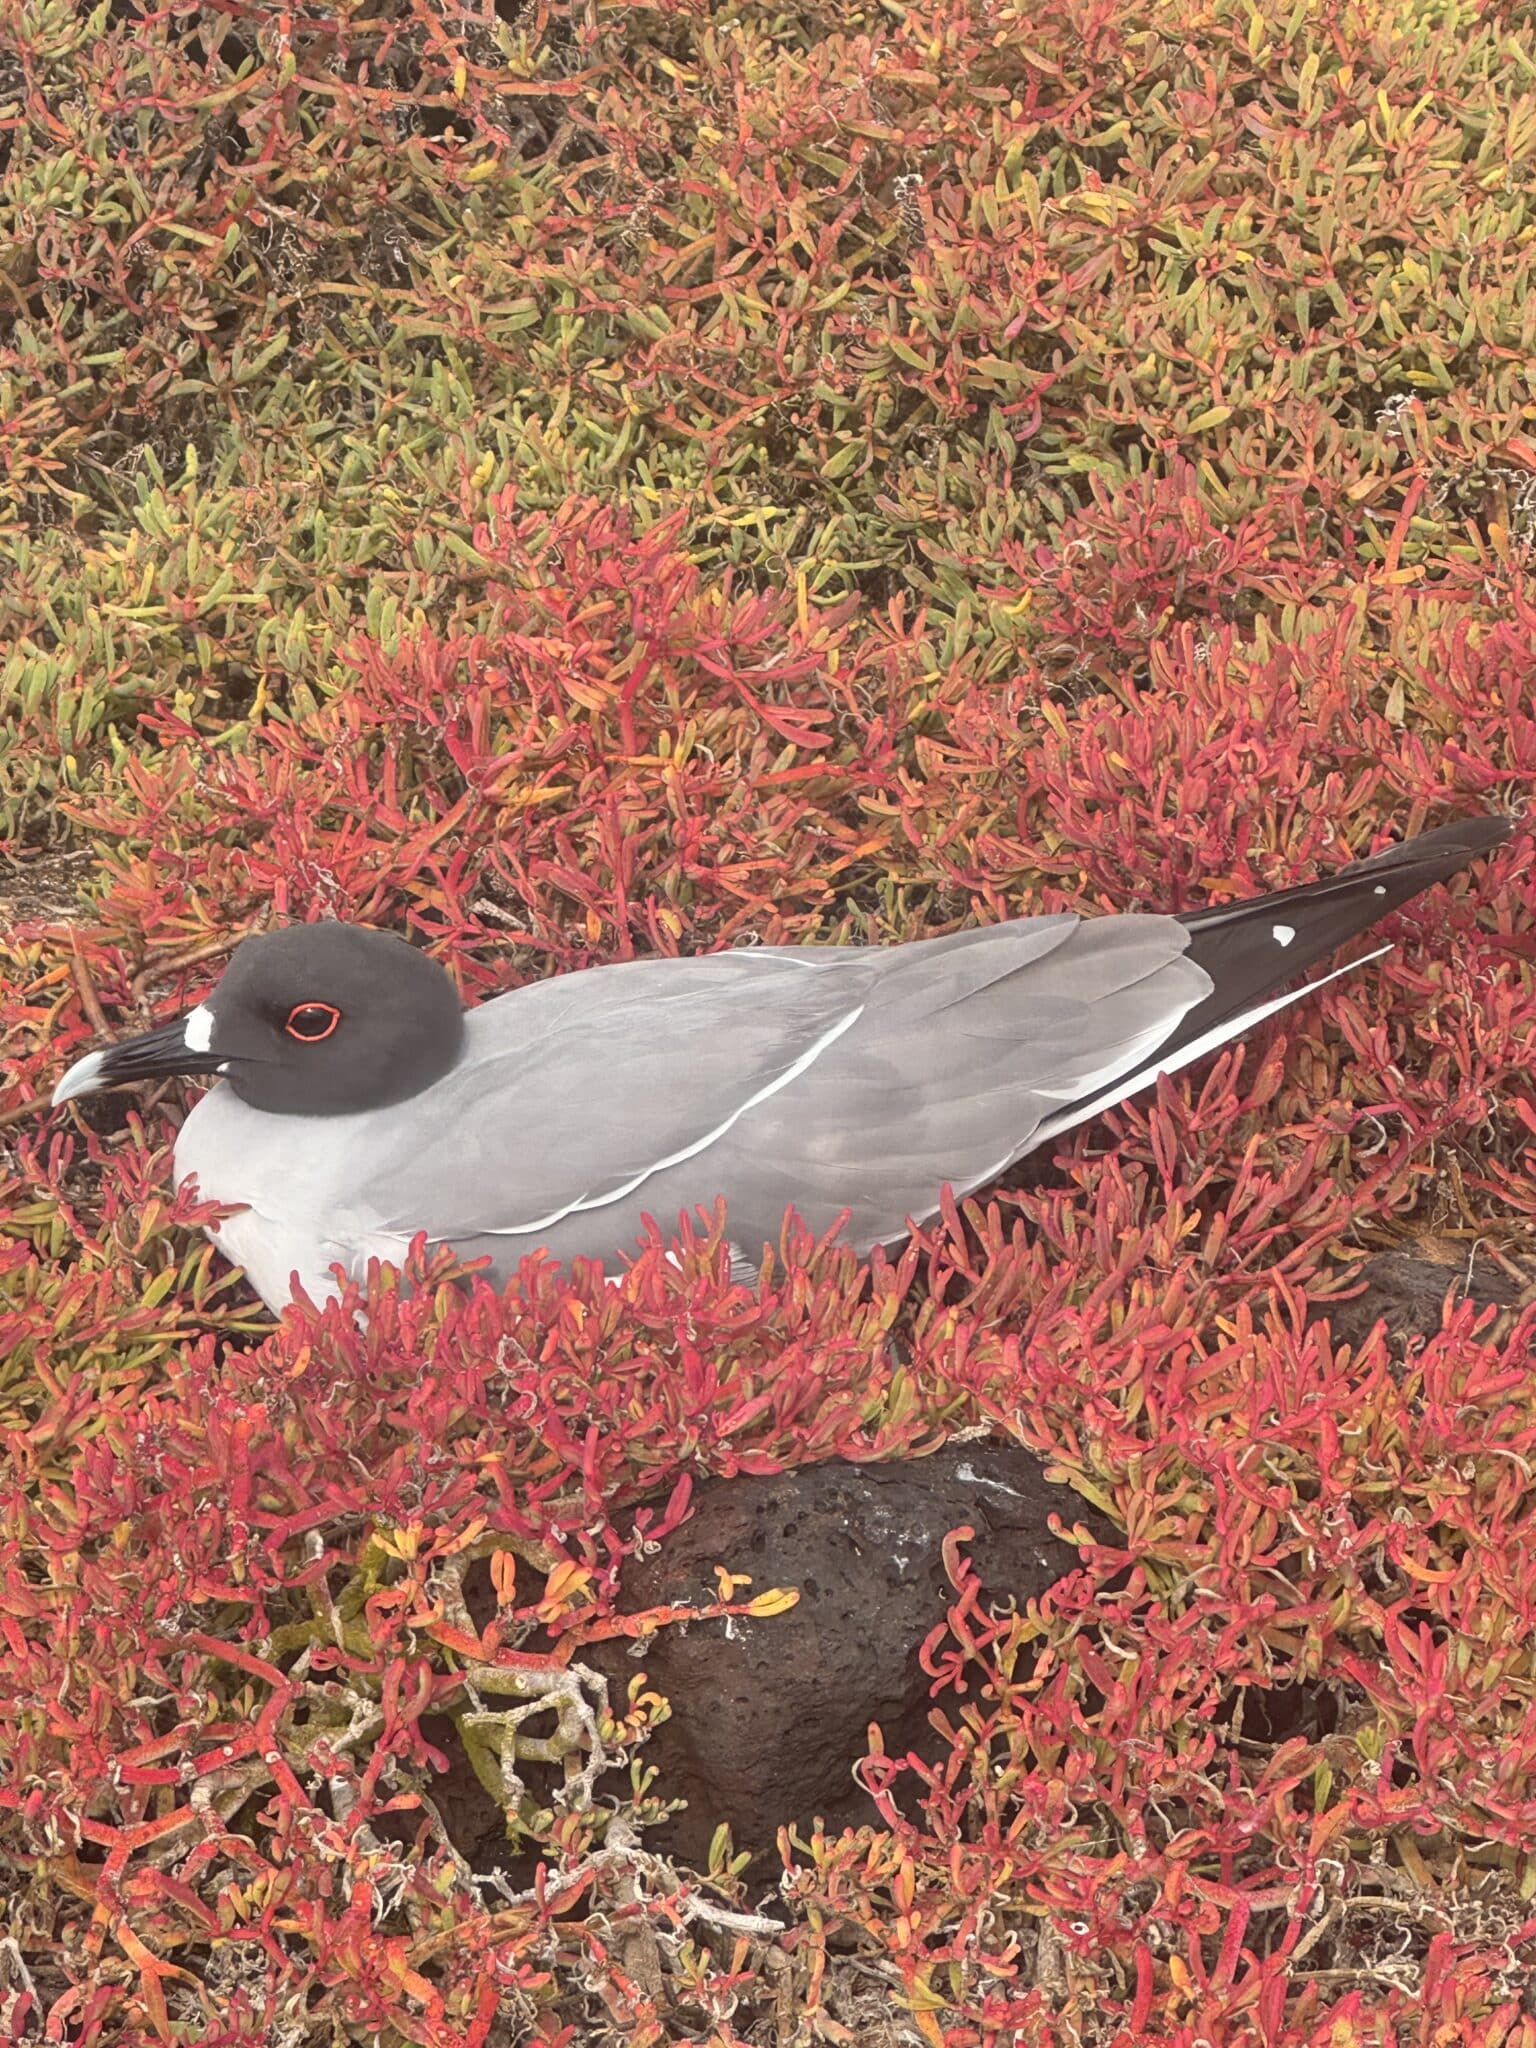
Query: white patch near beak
{"points": [[198, 1035]]}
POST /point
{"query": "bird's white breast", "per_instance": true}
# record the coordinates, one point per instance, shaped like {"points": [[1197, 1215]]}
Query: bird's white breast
{"points": [[291, 1173]]}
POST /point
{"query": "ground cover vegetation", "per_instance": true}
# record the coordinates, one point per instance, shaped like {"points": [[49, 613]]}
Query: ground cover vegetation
{"points": [[567, 481]]}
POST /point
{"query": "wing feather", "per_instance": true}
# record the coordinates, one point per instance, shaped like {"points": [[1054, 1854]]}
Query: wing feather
{"points": [[866, 1082], [574, 1092]]}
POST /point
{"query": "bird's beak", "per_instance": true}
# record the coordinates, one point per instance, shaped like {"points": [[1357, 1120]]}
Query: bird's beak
{"points": [[184, 1046]]}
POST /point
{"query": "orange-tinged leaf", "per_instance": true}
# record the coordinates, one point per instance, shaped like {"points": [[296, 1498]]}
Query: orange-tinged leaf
{"points": [[777, 1600]]}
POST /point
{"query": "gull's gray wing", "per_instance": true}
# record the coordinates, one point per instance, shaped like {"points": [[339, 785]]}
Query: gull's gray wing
{"points": [[828, 1078], [952, 1083]]}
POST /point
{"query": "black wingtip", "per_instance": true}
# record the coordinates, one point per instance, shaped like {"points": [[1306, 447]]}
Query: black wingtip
{"points": [[1461, 841], [1255, 947], [1396, 873]]}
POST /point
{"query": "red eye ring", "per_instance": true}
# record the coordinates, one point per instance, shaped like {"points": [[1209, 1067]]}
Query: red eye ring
{"points": [[325, 1014]]}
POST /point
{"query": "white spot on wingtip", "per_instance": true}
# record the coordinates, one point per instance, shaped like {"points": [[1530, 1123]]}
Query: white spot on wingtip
{"points": [[1284, 933], [197, 1034], [1380, 889]]}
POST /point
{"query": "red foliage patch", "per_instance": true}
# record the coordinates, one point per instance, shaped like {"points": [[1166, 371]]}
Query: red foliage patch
{"points": [[928, 468], [228, 1595]]}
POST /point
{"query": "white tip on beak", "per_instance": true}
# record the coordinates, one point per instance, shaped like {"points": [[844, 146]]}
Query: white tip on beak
{"points": [[83, 1078]]}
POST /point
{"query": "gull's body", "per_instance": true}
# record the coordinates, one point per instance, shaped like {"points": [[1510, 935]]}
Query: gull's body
{"points": [[558, 1116], [769, 1075]]}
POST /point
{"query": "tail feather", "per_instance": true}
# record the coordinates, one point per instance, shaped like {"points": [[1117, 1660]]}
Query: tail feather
{"points": [[1254, 948], [1245, 949], [1405, 869]]}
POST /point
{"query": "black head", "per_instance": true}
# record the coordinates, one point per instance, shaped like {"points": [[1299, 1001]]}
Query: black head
{"points": [[316, 1020]]}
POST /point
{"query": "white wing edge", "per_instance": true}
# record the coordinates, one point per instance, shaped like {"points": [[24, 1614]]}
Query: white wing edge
{"points": [[1219, 1034], [791, 1073]]}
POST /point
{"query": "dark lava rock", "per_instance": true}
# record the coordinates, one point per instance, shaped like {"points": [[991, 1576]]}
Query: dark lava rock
{"points": [[1406, 1290], [769, 1716]]}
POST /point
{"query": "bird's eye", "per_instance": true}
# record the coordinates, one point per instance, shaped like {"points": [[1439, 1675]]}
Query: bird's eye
{"points": [[310, 1022]]}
